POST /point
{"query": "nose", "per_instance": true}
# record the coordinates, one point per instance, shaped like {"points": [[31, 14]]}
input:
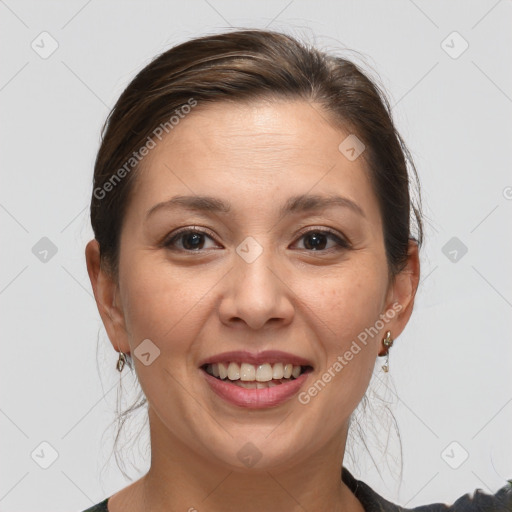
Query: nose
{"points": [[256, 294]]}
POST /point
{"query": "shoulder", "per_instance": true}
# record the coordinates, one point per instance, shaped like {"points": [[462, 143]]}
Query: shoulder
{"points": [[99, 507], [478, 501]]}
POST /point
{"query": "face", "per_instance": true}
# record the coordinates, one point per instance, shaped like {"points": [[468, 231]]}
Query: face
{"points": [[257, 281]]}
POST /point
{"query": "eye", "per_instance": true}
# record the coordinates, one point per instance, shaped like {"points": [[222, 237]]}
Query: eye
{"points": [[192, 240], [316, 240]]}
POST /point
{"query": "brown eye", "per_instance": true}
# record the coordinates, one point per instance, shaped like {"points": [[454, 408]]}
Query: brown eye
{"points": [[317, 240], [192, 240]]}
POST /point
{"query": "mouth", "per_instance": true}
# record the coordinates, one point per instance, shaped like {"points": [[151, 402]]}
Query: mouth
{"points": [[255, 380], [255, 376]]}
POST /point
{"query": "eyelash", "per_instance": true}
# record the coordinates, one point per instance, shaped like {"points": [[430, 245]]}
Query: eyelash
{"points": [[340, 241]]}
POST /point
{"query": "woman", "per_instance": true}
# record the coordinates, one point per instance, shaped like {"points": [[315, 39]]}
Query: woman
{"points": [[253, 255]]}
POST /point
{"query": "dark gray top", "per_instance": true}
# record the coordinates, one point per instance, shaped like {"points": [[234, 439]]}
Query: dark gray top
{"points": [[373, 502]]}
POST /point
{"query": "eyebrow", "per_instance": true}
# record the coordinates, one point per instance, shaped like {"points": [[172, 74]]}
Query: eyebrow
{"points": [[295, 204]]}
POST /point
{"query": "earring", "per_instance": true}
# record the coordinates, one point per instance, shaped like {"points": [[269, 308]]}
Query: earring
{"points": [[388, 342], [121, 362]]}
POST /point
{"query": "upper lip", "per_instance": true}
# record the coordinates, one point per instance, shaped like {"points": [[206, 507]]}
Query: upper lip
{"points": [[267, 356]]}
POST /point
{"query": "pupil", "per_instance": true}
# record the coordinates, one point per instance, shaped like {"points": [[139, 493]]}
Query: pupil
{"points": [[315, 245], [188, 238]]}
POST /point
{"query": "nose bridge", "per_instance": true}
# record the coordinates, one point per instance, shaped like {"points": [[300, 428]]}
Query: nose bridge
{"points": [[256, 294]]}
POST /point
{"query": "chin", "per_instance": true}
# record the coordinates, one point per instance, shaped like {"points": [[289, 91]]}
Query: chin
{"points": [[258, 452]]}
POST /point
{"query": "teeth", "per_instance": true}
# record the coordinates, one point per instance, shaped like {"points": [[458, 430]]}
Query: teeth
{"points": [[247, 385], [255, 385], [223, 371], [278, 371], [264, 372], [248, 373], [233, 371]]}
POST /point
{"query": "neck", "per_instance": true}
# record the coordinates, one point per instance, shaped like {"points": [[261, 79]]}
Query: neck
{"points": [[181, 479]]}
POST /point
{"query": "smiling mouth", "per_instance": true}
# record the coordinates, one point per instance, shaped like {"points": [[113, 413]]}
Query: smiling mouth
{"points": [[250, 376]]}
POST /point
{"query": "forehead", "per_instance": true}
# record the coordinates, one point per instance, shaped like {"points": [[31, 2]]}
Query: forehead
{"points": [[261, 149], [270, 132]]}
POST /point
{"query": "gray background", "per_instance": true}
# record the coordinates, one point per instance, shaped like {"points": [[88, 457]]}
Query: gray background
{"points": [[450, 370]]}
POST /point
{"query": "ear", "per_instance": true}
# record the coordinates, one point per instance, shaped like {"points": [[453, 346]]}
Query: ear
{"points": [[403, 291], [106, 294]]}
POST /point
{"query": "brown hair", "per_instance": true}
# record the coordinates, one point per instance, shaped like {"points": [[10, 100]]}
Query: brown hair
{"points": [[242, 66]]}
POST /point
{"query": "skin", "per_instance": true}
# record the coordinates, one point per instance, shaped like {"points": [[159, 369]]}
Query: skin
{"points": [[193, 305]]}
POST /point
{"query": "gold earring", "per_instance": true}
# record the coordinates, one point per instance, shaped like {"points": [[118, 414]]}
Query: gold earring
{"points": [[388, 342]]}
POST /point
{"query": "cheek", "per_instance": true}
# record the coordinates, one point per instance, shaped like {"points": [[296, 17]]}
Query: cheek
{"points": [[161, 302], [347, 307], [164, 305], [349, 300]]}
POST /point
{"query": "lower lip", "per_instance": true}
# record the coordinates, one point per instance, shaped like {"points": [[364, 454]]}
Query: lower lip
{"points": [[255, 398]]}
